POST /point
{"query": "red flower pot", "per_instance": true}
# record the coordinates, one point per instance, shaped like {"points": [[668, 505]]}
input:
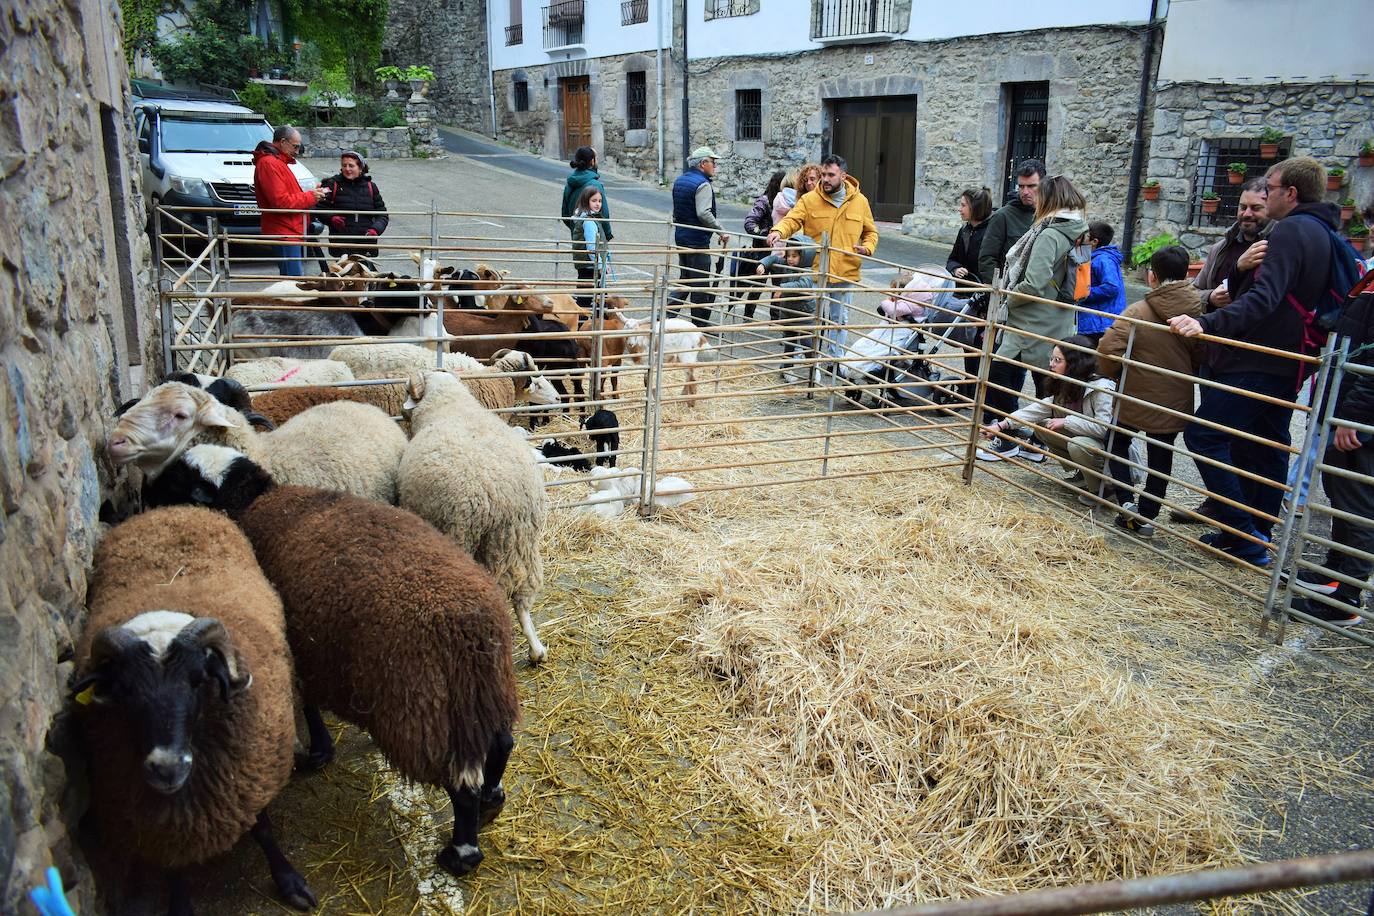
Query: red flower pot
{"points": [[1210, 204], [1346, 213], [1334, 182], [1366, 161], [1269, 151], [1195, 268], [1235, 177], [1150, 192]]}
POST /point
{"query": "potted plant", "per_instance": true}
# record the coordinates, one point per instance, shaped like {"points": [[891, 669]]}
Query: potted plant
{"points": [[1210, 201], [1235, 172], [1335, 177], [1367, 153], [1358, 236], [391, 78], [1269, 143], [1347, 209], [1141, 254], [1150, 189], [419, 77]]}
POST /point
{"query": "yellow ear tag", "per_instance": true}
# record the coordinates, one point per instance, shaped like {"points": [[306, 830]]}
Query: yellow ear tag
{"points": [[87, 696], [519, 300]]}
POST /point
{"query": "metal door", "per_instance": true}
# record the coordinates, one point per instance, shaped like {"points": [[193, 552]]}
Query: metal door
{"points": [[1027, 122], [577, 113], [877, 137]]}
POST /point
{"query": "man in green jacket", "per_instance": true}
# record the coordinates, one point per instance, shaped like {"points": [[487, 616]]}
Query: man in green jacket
{"points": [[1010, 222]]}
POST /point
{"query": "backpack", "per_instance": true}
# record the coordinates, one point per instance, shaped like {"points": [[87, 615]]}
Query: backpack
{"points": [[1078, 274], [1344, 276]]}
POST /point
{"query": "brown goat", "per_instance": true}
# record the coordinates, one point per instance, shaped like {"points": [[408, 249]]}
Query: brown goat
{"points": [[464, 323]]}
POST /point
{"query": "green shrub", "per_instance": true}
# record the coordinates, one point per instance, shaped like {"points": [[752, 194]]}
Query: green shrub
{"points": [[1141, 254]]}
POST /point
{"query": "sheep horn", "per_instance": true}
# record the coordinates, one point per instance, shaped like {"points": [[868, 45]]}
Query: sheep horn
{"points": [[209, 633], [500, 354], [109, 643]]}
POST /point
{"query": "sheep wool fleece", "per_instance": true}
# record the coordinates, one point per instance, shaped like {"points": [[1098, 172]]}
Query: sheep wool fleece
{"points": [[415, 646], [198, 562]]}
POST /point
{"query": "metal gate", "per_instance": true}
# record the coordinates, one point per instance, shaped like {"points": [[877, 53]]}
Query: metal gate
{"points": [[1027, 123], [878, 139], [577, 113]]}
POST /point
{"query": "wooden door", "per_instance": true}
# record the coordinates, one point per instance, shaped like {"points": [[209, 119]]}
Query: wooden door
{"points": [[577, 113], [877, 137]]}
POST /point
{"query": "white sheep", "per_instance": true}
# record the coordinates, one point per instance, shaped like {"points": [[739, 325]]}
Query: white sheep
{"points": [[284, 370], [397, 360], [469, 475], [341, 446]]}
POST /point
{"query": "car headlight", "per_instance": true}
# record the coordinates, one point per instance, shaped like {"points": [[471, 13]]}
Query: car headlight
{"points": [[309, 183], [191, 187]]}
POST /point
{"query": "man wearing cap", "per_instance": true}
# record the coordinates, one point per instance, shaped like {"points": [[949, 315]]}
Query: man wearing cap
{"points": [[354, 190], [276, 188], [694, 218], [835, 207]]}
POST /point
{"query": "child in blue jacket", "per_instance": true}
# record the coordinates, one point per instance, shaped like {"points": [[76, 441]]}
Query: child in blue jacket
{"points": [[1108, 291]]}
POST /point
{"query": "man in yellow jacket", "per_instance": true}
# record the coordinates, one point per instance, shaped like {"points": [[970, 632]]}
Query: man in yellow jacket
{"points": [[838, 207]]}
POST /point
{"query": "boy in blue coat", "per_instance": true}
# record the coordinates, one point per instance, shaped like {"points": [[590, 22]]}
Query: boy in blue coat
{"points": [[1108, 291]]}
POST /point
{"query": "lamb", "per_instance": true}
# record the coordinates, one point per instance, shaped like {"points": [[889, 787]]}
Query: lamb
{"points": [[682, 346], [613, 491], [604, 429], [184, 693], [343, 446], [469, 475], [279, 370], [421, 662], [560, 456], [396, 360]]}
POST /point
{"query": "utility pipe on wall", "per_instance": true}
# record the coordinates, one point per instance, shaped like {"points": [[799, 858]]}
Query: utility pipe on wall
{"points": [[1138, 146], [491, 79], [686, 142], [662, 112]]}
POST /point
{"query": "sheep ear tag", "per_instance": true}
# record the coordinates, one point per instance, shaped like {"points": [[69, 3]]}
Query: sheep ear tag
{"points": [[87, 696]]}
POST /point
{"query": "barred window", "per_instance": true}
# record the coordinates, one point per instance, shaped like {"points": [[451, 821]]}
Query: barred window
{"points": [[749, 114], [636, 95], [1214, 176], [522, 95]]}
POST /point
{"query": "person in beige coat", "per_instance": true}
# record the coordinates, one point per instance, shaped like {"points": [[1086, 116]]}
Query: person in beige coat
{"points": [[1172, 295]]}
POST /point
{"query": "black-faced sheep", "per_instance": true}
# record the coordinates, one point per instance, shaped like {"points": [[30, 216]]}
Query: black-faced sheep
{"points": [[184, 694], [416, 649], [345, 446], [604, 429], [561, 456], [472, 477]]}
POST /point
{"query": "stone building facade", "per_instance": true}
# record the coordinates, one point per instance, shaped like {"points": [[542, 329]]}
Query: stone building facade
{"points": [[961, 91], [1195, 120], [450, 37], [75, 313]]}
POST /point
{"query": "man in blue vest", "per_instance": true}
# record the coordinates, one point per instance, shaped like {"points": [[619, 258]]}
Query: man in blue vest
{"points": [[694, 213]]}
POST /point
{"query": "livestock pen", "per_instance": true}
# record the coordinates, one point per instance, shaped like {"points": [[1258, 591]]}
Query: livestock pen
{"points": [[858, 668]]}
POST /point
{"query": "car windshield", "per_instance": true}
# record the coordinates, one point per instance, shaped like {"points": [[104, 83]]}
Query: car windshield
{"points": [[212, 136]]}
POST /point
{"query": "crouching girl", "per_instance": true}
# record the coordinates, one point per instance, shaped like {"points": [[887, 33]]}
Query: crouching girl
{"points": [[1073, 422]]}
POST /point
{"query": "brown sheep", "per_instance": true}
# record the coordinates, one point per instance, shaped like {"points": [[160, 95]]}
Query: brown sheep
{"points": [[184, 692], [415, 647], [464, 323], [282, 404]]}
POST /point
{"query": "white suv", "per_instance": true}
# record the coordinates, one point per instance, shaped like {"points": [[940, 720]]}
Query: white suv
{"points": [[199, 153]]}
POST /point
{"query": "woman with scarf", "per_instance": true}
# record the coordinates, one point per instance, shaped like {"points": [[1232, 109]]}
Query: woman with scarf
{"points": [[1037, 265]]}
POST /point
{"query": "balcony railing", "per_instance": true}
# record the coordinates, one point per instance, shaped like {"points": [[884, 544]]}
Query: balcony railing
{"points": [[633, 12], [563, 22], [843, 19], [515, 34], [724, 9]]}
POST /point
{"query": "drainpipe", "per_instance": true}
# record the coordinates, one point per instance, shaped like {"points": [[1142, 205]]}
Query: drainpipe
{"points": [[491, 79], [686, 133], [658, 62], [1138, 147]]}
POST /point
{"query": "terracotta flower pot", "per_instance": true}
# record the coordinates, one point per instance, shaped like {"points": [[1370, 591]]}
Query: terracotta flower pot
{"points": [[1269, 151], [1334, 182], [1358, 242], [1346, 213], [1195, 268], [1366, 160], [1210, 204], [1150, 192], [1235, 177]]}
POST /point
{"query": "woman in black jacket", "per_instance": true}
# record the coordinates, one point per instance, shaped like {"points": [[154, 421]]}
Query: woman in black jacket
{"points": [[353, 190], [975, 206]]}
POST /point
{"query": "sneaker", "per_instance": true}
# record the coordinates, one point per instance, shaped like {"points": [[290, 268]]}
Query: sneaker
{"points": [[1336, 616], [1035, 457], [1207, 509], [1088, 499], [1076, 479], [999, 451], [1310, 580], [1250, 552], [1139, 527]]}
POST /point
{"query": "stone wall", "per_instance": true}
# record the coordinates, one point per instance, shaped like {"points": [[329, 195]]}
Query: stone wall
{"points": [[75, 311], [419, 139], [1093, 75], [619, 149], [449, 36], [1327, 121]]}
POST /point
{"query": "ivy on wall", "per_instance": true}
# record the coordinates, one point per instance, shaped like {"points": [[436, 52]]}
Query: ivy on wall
{"points": [[347, 32], [140, 26]]}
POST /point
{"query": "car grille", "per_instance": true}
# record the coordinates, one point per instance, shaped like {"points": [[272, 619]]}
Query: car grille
{"points": [[232, 193]]}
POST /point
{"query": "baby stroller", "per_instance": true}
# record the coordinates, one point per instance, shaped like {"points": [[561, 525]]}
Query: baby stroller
{"points": [[892, 354]]}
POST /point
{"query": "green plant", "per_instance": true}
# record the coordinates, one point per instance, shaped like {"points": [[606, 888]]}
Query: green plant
{"points": [[1357, 230], [140, 25], [419, 72], [347, 33], [1271, 135], [216, 48], [1367, 148], [389, 73], [1335, 171], [1210, 195], [1141, 254], [1240, 168], [391, 116], [1151, 183], [1348, 202]]}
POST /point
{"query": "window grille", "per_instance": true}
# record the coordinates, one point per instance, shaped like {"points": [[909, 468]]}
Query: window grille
{"points": [[749, 114], [515, 34], [722, 9], [636, 96], [522, 95], [844, 18], [1212, 175], [633, 12]]}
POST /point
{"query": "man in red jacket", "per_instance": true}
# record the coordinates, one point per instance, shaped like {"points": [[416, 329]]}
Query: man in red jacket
{"points": [[276, 188]]}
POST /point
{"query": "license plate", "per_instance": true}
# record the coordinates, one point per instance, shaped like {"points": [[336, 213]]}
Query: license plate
{"points": [[247, 210]]}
